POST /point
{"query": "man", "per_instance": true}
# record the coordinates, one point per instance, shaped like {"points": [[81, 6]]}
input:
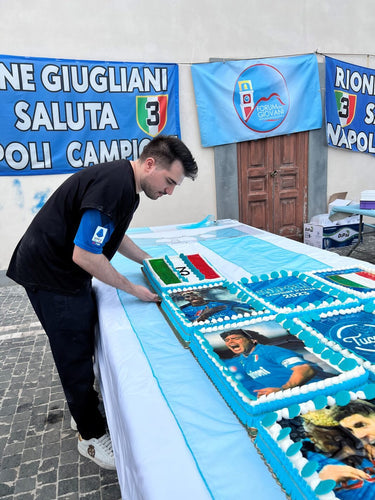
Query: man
{"points": [[73, 238], [270, 368], [200, 309], [358, 417]]}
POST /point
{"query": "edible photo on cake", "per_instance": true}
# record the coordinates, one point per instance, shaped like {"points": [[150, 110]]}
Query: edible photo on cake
{"points": [[259, 365], [341, 439], [210, 303], [267, 359], [355, 280], [286, 291], [351, 330], [332, 448]]}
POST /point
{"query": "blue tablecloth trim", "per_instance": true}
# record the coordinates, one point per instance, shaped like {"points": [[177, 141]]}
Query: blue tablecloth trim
{"points": [[249, 253], [141, 333]]}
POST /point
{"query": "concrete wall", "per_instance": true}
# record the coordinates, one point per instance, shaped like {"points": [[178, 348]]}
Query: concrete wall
{"points": [[185, 32]]}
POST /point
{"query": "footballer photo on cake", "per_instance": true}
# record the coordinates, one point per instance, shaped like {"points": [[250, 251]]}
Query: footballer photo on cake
{"points": [[340, 439], [266, 358], [210, 303]]}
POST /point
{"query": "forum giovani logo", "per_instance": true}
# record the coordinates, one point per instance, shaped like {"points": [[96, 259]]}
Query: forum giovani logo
{"points": [[261, 98]]}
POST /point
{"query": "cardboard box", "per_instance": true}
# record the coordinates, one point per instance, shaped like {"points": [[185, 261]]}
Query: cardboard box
{"points": [[321, 236]]}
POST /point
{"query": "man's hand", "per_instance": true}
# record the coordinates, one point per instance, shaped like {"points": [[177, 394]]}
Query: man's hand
{"points": [[143, 293], [266, 391], [98, 266], [341, 473], [370, 451], [208, 312]]}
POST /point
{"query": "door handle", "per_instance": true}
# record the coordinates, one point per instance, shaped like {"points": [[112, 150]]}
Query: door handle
{"points": [[274, 173]]}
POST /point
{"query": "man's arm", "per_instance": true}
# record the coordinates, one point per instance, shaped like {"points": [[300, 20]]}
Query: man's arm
{"points": [[300, 375], [132, 251], [99, 266]]}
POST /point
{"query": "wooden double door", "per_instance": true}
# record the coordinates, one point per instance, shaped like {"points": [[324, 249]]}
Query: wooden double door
{"points": [[272, 177]]}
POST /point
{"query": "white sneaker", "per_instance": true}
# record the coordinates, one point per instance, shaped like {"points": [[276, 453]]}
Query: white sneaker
{"points": [[73, 424], [99, 450]]}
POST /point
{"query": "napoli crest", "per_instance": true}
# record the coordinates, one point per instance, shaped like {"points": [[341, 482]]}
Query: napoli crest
{"points": [[261, 98], [346, 104], [151, 112]]}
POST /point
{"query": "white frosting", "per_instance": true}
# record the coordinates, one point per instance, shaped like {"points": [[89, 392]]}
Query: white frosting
{"points": [[285, 443], [328, 496]]}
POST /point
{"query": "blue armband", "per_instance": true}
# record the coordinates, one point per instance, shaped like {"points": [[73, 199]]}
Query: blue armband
{"points": [[94, 231]]}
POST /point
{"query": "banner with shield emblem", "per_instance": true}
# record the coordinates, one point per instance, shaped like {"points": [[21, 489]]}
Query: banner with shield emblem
{"points": [[60, 115], [350, 106]]}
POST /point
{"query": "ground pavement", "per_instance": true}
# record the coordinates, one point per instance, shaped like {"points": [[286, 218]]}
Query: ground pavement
{"points": [[39, 457], [39, 450]]}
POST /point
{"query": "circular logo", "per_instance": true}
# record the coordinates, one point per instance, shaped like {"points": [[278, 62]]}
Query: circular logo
{"points": [[358, 337], [261, 98]]}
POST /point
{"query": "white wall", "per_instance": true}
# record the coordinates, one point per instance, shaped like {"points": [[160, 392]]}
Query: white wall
{"points": [[185, 32]]}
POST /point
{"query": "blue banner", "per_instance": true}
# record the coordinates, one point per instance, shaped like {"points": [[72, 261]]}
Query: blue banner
{"points": [[350, 106], [248, 100], [61, 115]]}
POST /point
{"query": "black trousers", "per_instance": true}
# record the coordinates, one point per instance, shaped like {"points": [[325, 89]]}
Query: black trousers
{"points": [[69, 321]]}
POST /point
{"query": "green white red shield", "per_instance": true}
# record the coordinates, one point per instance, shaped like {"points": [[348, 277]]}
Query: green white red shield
{"points": [[346, 104], [151, 113]]}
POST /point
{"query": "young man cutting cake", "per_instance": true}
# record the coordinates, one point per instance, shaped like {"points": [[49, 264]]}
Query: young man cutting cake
{"points": [[72, 239]]}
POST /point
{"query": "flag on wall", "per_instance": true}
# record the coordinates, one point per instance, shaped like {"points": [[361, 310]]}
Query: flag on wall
{"points": [[350, 106], [251, 99], [60, 115]]}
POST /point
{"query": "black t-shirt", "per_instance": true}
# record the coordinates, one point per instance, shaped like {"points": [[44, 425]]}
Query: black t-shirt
{"points": [[43, 257]]}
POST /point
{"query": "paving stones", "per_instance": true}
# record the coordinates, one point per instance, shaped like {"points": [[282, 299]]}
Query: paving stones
{"points": [[38, 449]]}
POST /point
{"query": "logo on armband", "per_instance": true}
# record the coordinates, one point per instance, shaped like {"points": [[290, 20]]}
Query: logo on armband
{"points": [[99, 235]]}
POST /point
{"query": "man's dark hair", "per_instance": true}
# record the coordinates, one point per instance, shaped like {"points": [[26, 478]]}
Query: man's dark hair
{"points": [[358, 406], [245, 333], [166, 149]]}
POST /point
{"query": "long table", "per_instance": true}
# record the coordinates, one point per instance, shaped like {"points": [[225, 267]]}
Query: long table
{"points": [[173, 435]]}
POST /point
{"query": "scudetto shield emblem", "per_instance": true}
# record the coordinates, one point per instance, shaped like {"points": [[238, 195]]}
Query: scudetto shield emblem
{"points": [[152, 113], [346, 104]]}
